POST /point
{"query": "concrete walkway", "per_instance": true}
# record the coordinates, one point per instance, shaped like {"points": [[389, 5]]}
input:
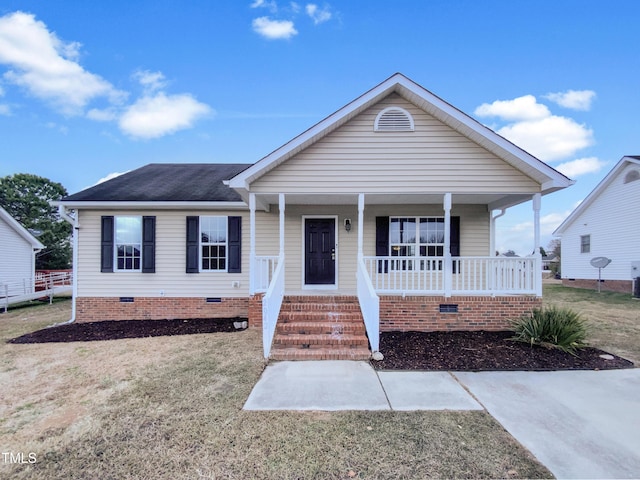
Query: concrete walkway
{"points": [[579, 424]]}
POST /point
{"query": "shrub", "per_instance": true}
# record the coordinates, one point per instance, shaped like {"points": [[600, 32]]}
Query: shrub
{"points": [[560, 328]]}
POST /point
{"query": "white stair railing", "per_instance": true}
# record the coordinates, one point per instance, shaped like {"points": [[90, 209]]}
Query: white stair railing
{"points": [[271, 303]]}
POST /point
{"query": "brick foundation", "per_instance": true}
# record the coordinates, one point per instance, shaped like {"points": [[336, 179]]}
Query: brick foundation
{"points": [[422, 313], [620, 286], [93, 309], [255, 310]]}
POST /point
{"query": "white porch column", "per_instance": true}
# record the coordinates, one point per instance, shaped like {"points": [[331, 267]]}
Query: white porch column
{"points": [[360, 226], [281, 208], [448, 267], [537, 200], [252, 243]]}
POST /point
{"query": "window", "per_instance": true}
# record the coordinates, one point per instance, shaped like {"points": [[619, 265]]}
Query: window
{"points": [[128, 243], [585, 243], [213, 243], [416, 236]]}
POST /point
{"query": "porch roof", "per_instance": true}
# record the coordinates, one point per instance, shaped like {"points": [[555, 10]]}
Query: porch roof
{"points": [[549, 179]]}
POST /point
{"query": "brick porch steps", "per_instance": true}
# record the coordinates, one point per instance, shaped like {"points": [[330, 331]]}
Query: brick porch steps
{"points": [[320, 328]]}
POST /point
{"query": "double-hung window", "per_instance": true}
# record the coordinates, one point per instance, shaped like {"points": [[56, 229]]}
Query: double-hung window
{"points": [[128, 243], [213, 243], [416, 237]]}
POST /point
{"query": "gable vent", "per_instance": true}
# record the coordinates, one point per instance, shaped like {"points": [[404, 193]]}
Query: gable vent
{"points": [[394, 119]]}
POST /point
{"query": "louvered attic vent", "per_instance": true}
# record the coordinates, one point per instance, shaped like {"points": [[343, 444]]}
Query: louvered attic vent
{"points": [[394, 119]]}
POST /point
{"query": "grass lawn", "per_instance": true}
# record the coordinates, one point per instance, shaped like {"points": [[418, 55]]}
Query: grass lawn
{"points": [[171, 407], [614, 318]]}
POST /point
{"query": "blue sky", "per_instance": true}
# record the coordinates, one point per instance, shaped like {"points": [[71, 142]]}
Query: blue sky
{"points": [[89, 89]]}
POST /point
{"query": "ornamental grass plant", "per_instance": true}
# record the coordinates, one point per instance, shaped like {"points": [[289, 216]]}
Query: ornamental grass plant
{"points": [[552, 327]]}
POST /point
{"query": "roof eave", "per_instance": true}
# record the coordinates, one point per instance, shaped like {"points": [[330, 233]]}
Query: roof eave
{"points": [[154, 205]]}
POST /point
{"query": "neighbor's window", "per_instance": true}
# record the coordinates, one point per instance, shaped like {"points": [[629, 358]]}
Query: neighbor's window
{"points": [[128, 243], [416, 236], [213, 243], [585, 243]]}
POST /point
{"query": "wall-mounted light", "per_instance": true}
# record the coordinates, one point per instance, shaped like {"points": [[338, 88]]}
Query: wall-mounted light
{"points": [[347, 224]]}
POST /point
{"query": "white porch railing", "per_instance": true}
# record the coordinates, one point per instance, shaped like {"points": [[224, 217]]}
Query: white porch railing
{"points": [[263, 270], [469, 275], [369, 305], [271, 303]]}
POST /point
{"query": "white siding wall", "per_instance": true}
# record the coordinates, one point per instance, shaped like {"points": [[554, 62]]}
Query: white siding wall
{"points": [[613, 221], [433, 158], [17, 261]]}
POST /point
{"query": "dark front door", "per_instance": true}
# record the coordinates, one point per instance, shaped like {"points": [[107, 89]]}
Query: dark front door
{"points": [[320, 251]]}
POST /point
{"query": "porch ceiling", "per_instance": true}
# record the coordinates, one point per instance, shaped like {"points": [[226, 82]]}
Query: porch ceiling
{"points": [[493, 201]]}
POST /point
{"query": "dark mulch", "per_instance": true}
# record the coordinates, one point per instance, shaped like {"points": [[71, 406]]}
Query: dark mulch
{"points": [[475, 351], [112, 330]]}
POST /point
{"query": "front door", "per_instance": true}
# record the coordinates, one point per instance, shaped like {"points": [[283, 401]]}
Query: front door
{"points": [[320, 251]]}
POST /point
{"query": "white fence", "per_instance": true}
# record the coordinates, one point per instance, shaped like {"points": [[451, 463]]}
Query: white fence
{"points": [[271, 303], [469, 275], [264, 268]]}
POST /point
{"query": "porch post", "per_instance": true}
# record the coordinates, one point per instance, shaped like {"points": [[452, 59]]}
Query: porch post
{"points": [[537, 200], [360, 226], [252, 243], [281, 208], [448, 267]]}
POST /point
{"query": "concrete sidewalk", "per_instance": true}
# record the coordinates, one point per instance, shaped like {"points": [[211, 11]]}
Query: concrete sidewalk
{"points": [[348, 385], [579, 424]]}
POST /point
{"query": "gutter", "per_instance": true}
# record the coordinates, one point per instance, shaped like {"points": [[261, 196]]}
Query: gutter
{"points": [[73, 220]]}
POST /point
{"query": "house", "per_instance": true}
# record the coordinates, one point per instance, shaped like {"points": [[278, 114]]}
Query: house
{"points": [[379, 217], [605, 224], [18, 262]]}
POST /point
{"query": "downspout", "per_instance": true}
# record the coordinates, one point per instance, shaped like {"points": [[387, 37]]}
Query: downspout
{"points": [[62, 211], [492, 232]]}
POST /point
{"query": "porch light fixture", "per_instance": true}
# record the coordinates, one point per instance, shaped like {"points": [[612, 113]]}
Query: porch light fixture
{"points": [[347, 224]]}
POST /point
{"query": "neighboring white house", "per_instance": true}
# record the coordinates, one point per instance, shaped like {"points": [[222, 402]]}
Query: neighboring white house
{"points": [[18, 257], [605, 224]]}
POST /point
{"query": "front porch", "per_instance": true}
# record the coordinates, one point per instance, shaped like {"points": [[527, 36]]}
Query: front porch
{"points": [[408, 292]]}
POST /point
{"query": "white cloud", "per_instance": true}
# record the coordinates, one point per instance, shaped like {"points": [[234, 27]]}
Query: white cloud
{"points": [[581, 166], [551, 138], [573, 99], [272, 6], [161, 114], [47, 67], [318, 15], [521, 108], [150, 81], [102, 115], [5, 110], [274, 29], [110, 176]]}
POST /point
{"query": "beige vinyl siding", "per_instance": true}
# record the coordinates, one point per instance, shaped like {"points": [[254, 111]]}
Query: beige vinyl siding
{"points": [[433, 158], [474, 235], [170, 276], [17, 261]]}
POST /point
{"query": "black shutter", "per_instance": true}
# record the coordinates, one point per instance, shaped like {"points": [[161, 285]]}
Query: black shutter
{"points": [[382, 243], [193, 243], [148, 244], [454, 240], [106, 241], [234, 243]]}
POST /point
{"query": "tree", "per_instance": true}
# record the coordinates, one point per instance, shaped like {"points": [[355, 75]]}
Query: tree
{"points": [[26, 198]]}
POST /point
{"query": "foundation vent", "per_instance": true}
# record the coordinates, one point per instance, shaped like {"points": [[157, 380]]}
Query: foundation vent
{"points": [[448, 308]]}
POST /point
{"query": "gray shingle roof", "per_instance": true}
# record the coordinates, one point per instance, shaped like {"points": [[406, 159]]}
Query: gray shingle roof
{"points": [[157, 182]]}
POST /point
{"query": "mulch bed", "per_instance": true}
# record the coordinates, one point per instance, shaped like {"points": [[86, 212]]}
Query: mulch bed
{"points": [[113, 330], [477, 351]]}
